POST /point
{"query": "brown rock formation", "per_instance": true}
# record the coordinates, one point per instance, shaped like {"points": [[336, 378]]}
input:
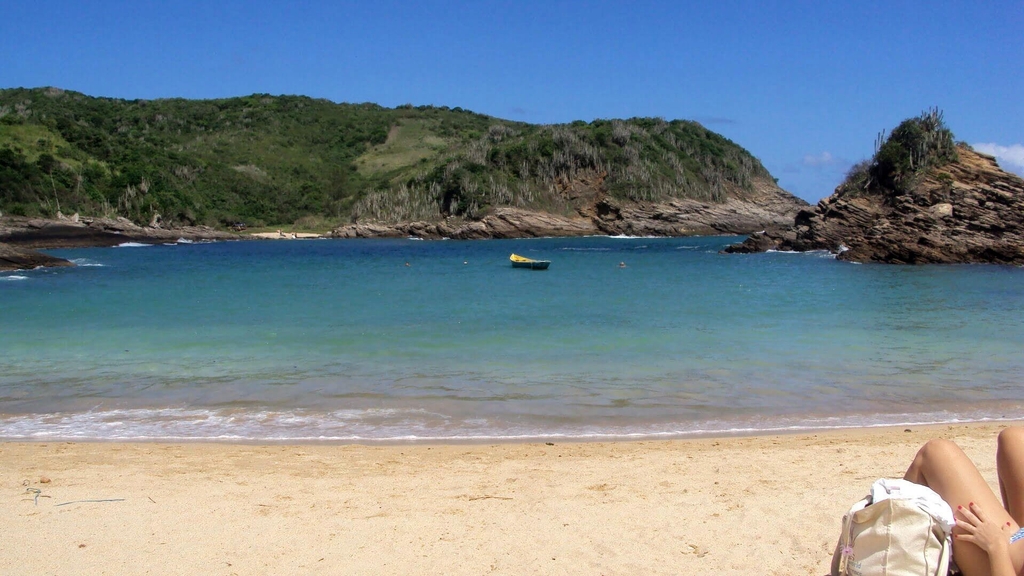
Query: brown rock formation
{"points": [[503, 223], [743, 212], [88, 232], [767, 205], [966, 211], [17, 258]]}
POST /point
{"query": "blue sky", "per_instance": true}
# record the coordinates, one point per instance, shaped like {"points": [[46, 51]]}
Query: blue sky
{"points": [[805, 86]]}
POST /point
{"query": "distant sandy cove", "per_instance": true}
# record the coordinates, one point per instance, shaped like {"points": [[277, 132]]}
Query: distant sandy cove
{"points": [[736, 505], [279, 235]]}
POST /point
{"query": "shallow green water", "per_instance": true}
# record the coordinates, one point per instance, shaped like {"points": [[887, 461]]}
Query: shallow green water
{"points": [[340, 340]]}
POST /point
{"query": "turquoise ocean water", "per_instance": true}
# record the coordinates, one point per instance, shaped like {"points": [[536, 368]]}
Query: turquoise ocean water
{"points": [[341, 341]]}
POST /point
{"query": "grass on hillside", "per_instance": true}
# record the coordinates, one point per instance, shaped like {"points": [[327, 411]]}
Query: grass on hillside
{"points": [[409, 142], [34, 140]]}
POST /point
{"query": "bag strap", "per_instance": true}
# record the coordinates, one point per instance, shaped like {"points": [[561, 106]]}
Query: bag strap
{"points": [[844, 552], [841, 556]]}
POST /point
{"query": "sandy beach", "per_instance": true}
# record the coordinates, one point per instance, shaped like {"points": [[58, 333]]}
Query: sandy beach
{"points": [[736, 505], [279, 235]]}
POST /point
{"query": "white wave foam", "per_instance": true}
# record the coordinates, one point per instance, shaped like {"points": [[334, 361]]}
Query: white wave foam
{"points": [[132, 245], [14, 277], [815, 253], [86, 263], [413, 425], [185, 241]]}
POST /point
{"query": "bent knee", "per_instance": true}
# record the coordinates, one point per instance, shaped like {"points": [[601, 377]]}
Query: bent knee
{"points": [[939, 445], [938, 449], [1011, 435]]}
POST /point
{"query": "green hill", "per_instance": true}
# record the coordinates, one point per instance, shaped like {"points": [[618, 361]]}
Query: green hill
{"points": [[273, 160]]}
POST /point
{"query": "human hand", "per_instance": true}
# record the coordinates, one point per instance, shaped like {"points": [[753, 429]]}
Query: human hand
{"points": [[978, 529]]}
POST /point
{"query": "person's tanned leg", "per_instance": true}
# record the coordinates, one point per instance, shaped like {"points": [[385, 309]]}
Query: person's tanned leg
{"points": [[942, 466], [1010, 464]]}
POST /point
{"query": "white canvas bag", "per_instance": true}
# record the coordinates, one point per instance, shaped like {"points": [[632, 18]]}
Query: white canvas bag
{"points": [[900, 529]]}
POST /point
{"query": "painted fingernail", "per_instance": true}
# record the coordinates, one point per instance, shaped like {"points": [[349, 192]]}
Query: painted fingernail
{"points": [[959, 507], [972, 503]]}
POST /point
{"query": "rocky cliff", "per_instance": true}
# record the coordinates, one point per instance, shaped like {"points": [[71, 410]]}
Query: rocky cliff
{"points": [[596, 213], [968, 210]]}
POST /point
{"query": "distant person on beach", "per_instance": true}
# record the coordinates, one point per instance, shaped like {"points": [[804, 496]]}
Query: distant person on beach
{"points": [[988, 539]]}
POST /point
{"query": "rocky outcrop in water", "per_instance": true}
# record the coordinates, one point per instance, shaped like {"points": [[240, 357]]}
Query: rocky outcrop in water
{"points": [[75, 232], [17, 258], [968, 210]]}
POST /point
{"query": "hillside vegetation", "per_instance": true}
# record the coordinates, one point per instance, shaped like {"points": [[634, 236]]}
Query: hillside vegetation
{"points": [[273, 160], [899, 161]]}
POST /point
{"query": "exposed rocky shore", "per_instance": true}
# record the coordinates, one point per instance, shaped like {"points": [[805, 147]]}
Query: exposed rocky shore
{"points": [[83, 232], [969, 210], [597, 213], [16, 258], [20, 237]]}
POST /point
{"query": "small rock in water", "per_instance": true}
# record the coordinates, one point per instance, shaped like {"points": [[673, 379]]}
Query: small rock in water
{"points": [[906, 430]]}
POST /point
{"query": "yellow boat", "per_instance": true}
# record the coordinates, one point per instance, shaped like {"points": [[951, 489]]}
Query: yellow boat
{"points": [[524, 262]]}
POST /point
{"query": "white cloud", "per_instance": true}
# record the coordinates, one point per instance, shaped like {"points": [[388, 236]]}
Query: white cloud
{"points": [[1010, 157], [823, 159]]}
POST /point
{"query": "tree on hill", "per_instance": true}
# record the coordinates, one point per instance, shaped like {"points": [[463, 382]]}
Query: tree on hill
{"points": [[916, 145]]}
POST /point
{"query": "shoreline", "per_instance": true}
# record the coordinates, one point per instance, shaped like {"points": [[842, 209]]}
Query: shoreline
{"points": [[99, 232], [518, 440], [209, 425], [769, 504], [526, 439]]}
